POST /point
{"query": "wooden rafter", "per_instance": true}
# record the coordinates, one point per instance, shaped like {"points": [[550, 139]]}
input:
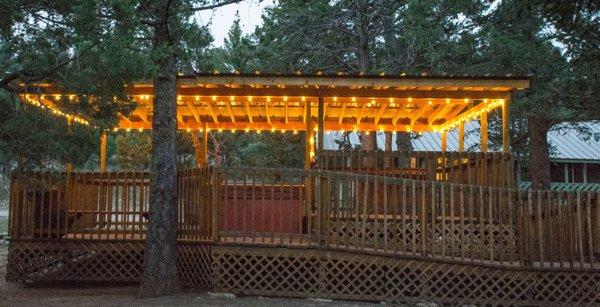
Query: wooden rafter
{"points": [[398, 113], [306, 105], [248, 111], [382, 109], [455, 112], [230, 111], [211, 111], [441, 109], [422, 110], [267, 111], [141, 113], [360, 114], [192, 109], [342, 113]]}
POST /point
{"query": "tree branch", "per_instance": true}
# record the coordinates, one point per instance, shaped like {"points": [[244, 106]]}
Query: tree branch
{"points": [[215, 5], [29, 74]]}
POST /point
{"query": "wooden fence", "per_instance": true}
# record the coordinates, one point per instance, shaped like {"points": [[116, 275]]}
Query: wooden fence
{"points": [[486, 169], [339, 210]]}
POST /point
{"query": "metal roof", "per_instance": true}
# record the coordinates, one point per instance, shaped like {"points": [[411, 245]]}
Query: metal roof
{"points": [[567, 144]]}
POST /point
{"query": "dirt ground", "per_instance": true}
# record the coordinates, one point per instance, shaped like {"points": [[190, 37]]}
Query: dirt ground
{"points": [[13, 294]]}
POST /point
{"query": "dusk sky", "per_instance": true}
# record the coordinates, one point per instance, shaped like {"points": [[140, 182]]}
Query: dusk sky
{"points": [[221, 19]]}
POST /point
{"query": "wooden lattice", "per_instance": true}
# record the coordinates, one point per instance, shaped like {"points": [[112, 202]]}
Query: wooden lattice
{"points": [[194, 264], [74, 261], [31, 261], [346, 275]]}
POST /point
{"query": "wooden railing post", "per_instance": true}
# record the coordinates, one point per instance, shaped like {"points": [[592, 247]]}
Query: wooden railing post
{"points": [[215, 203], [322, 202], [423, 219]]}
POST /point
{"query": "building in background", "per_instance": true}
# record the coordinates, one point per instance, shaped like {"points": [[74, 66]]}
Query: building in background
{"points": [[575, 161]]}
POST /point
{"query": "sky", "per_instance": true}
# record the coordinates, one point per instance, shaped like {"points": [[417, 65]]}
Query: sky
{"points": [[221, 19]]}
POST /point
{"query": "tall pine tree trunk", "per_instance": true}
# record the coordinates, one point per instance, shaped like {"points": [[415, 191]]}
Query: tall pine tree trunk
{"points": [[160, 262], [388, 148], [368, 141], [539, 153], [404, 144]]}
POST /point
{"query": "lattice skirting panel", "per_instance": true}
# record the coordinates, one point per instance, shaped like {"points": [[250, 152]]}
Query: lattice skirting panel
{"points": [[30, 261], [306, 272], [347, 275]]}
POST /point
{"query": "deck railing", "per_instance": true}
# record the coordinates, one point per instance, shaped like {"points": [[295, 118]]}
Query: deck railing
{"points": [[288, 207], [487, 169]]}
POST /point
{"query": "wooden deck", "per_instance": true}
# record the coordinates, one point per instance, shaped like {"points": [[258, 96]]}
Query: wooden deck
{"points": [[278, 219]]}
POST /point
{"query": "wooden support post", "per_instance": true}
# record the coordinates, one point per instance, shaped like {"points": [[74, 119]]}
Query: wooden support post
{"points": [[216, 183], [321, 121], [505, 130], [103, 152], [197, 150], [321, 126], [461, 137], [204, 147], [484, 132], [308, 138], [444, 141], [69, 165]]}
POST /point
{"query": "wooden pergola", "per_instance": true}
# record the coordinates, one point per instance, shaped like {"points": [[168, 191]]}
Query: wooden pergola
{"points": [[449, 228], [321, 103]]}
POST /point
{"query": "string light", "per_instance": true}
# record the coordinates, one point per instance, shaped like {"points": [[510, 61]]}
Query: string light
{"points": [[471, 115], [37, 102]]}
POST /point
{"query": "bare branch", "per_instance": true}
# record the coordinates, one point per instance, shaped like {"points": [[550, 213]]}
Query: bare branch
{"points": [[215, 5]]}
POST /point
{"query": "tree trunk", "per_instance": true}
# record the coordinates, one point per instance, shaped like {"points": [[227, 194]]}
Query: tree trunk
{"points": [[388, 148], [388, 141], [403, 144], [539, 153], [217, 150], [403, 141], [368, 141], [160, 261]]}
